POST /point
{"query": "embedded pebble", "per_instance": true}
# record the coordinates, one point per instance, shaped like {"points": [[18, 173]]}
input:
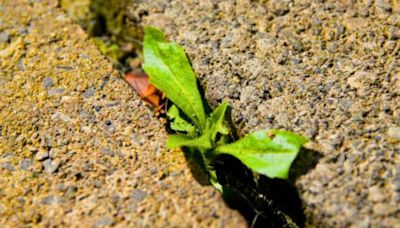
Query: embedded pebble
{"points": [[89, 93], [139, 195], [25, 163], [8, 166], [55, 91], [42, 155], [50, 166], [47, 82], [4, 37], [394, 133], [104, 221]]}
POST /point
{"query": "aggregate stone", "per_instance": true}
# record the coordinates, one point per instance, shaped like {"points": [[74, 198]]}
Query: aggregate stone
{"points": [[7, 166], [336, 62], [50, 166], [139, 195], [47, 82], [42, 155], [104, 221], [77, 182], [25, 163], [55, 91], [89, 93], [394, 133], [4, 37]]}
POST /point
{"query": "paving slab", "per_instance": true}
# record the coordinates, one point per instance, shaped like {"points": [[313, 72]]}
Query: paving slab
{"points": [[326, 69], [77, 147]]}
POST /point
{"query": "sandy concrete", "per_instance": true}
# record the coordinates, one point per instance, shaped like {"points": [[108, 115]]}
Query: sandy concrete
{"points": [[77, 147], [326, 69]]}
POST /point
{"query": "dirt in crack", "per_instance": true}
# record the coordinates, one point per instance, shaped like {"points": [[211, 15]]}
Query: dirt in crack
{"points": [[264, 202]]}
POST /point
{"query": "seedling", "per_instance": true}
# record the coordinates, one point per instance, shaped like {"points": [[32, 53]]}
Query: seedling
{"points": [[267, 152]]}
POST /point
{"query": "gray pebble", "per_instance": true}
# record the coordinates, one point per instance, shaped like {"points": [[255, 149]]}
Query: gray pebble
{"points": [[153, 170], [52, 200], [55, 91], [104, 221], [384, 4], [109, 126], [24, 164], [42, 155], [23, 31], [8, 166], [396, 184], [47, 82], [50, 166], [89, 93], [107, 151], [55, 152], [394, 133], [4, 37], [139, 195], [394, 33]]}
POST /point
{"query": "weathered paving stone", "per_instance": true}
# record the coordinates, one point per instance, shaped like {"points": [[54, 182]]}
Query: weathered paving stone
{"points": [[73, 117], [327, 69]]}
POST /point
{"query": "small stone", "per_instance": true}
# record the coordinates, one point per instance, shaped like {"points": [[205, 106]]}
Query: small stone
{"points": [[50, 166], [47, 82], [153, 170], [109, 126], [381, 209], [55, 91], [394, 33], [4, 37], [71, 191], [396, 184], [23, 31], [104, 221], [279, 7], [384, 4], [32, 149], [394, 133], [139, 195], [52, 200], [89, 93], [54, 152], [8, 166], [361, 79], [42, 155], [24, 164], [61, 116], [107, 151], [375, 194]]}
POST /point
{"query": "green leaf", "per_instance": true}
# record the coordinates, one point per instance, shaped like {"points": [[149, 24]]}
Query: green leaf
{"points": [[215, 123], [170, 71], [178, 123], [269, 152], [175, 141]]}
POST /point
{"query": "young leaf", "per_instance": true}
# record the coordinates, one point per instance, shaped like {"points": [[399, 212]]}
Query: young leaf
{"points": [[178, 123], [215, 123], [175, 141], [269, 152], [170, 71]]}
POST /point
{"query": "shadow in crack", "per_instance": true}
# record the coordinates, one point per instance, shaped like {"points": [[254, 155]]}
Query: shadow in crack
{"points": [[263, 201]]}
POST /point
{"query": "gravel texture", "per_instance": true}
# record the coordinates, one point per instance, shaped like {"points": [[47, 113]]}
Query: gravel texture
{"points": [[326, 69], [77, 147]]}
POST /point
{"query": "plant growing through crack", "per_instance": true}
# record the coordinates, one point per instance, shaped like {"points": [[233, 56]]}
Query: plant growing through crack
{"points": [[207, 135]]}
